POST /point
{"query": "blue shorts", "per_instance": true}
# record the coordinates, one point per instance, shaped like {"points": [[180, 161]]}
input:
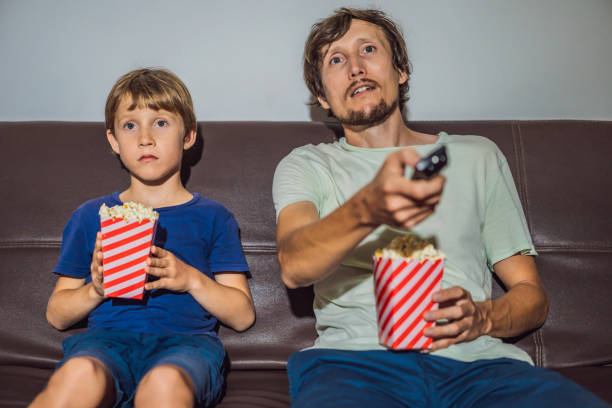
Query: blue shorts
{"points": [[376, 378], [129, 356]]}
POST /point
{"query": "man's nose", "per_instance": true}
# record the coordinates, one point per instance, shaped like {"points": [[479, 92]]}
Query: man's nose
{"points": [[356, 67]]}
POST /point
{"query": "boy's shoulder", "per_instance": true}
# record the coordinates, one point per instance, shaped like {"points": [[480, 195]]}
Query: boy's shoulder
{"points": [[90, 208], [204, 206], [95, 203]]}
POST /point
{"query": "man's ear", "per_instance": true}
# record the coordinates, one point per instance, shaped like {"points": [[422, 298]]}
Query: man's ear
{"points": [[190, 139], [403, 77], [112, 141], [323, 102]]}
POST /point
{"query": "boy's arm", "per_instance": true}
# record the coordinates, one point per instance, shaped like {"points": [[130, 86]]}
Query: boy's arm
{"points": [[71, 301], [228, 298]]}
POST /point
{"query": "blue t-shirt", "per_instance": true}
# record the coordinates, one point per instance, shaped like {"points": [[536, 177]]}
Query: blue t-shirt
{"points": [[200, 232]]}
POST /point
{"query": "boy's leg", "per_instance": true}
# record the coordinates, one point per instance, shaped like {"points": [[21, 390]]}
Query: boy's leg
{"points": [[510, 383], [165, 385], [329, 378], [91, 359], [178, 370], [80, 382]]}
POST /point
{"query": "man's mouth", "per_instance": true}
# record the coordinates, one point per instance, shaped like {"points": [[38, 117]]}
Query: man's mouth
{"points": [[360, 88]]}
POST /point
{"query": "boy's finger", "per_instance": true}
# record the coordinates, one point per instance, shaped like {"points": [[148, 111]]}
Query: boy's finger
{"points": [[158, 284], [151, 270], [159, 252], [158, 262]]}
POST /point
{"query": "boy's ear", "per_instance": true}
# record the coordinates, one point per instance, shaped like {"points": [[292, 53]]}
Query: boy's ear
{"points": [[190, 139], [112, 141]]}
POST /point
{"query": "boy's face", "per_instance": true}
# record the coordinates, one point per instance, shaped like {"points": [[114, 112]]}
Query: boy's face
{"points": [[149, 142], [358, 76]]}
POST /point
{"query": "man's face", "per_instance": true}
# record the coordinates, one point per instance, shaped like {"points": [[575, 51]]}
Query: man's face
{"points": [[360, 83]]}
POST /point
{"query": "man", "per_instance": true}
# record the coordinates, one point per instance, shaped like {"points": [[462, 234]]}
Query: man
{"points": [[338, 202]]}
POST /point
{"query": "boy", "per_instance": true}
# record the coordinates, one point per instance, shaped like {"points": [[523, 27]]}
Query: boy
{"points": [[163, 350]]}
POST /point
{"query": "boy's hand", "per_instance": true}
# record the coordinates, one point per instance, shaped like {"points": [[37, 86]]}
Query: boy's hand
{"points": [[96, 267], [173, 273]]}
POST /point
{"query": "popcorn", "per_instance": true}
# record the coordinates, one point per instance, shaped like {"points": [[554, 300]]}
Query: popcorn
{"points": [[410, 246], [127, 234], [128, 211], [406, 273]]}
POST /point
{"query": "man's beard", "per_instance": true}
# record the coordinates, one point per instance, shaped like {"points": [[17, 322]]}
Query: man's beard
{"points": [[377, 115]]}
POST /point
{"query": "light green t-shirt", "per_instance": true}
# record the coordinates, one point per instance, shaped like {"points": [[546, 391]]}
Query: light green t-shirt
{"points": [[478, 222]]}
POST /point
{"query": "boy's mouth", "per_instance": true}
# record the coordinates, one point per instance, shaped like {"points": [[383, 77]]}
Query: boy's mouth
{"points": [[147, 158]]}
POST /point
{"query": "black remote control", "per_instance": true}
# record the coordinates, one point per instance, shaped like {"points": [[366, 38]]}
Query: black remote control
{"points": [[430, 165]]}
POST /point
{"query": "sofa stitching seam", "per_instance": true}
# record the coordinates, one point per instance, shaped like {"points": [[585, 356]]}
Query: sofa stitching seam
{"points": [[519, 149]]}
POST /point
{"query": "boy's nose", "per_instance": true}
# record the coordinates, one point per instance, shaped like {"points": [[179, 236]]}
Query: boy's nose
{"points": [[145, 138]]}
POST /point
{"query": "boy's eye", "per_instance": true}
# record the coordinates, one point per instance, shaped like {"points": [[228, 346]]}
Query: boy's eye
{"points": [[161, 123], [335, 60], [129, 126], [369, 49]]}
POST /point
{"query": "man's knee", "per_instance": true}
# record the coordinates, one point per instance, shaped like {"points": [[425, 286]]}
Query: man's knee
{"points": [[165, 382]]}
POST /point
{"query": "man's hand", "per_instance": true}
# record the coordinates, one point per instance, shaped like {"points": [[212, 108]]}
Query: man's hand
{"points": [[392, 199], [523, 307], [97, 277], [173, 273], [467, 319]]}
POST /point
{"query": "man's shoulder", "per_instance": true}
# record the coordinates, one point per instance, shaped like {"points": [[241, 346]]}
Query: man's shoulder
{"points": [[312, 150], [471, 142], [479, 147]]}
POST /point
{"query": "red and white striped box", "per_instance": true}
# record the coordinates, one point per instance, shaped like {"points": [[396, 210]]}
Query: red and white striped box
{"points": [[126, 245], [403, 289]]}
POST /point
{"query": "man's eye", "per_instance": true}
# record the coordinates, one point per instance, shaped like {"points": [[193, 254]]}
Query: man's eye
{"points": [[335, 60], [129, 126], [161, 123], [369, 49]]}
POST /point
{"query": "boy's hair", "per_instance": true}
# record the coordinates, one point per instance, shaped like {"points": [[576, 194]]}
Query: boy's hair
{"points": [[334, 27], [155, 89]]}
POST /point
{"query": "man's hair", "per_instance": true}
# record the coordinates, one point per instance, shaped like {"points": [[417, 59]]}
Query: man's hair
{"points": [[334, 27], [155, 89]]}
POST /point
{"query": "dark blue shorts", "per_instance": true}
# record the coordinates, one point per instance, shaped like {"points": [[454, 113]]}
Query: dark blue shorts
{"points": [[325, 378], [129, 356]]}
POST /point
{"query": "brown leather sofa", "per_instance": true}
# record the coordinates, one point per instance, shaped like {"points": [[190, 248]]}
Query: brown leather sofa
{"points": [[563, 172]]}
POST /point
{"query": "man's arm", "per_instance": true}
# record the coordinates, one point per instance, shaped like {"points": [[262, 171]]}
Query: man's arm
{"points": [[309, 248], [523, 307]]}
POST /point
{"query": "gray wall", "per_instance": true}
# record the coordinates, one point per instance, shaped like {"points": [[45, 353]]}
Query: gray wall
{"points": [[472, 59]]}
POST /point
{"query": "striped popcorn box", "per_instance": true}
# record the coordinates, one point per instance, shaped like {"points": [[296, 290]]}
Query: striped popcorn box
{"points": [[403, 289], [126, 245]]}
